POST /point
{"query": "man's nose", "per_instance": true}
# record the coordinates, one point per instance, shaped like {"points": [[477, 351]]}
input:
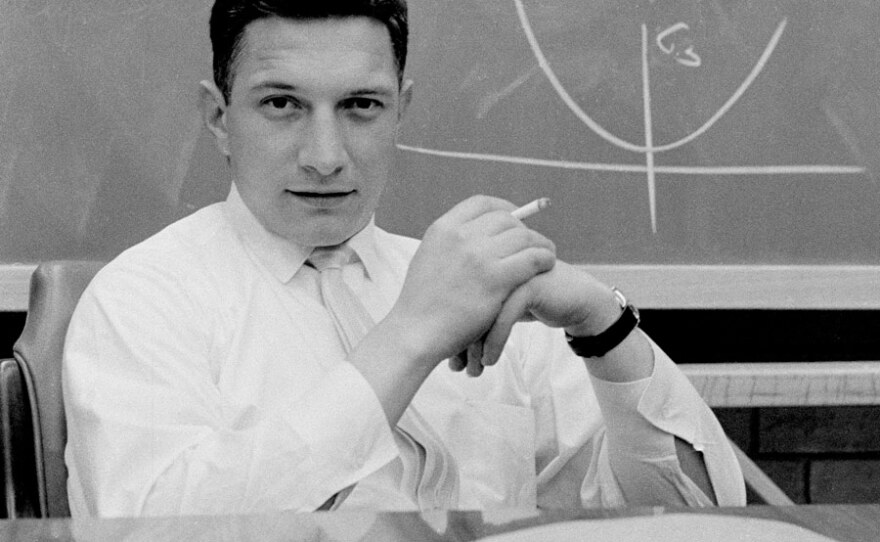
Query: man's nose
{"points": [[323, 149]]}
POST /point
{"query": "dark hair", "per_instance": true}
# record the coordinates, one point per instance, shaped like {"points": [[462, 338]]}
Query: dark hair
{"points": [[229, 18]]}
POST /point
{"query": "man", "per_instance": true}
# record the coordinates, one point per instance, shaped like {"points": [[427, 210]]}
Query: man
{"points": [[206, 370]]}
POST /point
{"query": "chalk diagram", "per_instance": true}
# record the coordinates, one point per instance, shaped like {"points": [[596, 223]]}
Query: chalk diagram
{"points": [[649, 148]]}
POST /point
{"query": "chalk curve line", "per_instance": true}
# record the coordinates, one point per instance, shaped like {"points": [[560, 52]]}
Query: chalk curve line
{"points": [[604, 133]]}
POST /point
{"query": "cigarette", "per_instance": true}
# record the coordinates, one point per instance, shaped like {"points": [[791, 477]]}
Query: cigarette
{"points": [[529, 209]]}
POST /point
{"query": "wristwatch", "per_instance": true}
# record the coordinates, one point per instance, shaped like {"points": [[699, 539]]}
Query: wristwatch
{"points": [[597, 346]]}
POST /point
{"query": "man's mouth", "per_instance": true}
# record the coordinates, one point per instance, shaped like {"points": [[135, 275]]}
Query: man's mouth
{"points": [[323, 200]]}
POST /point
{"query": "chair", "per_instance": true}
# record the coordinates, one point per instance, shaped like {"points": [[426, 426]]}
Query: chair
{"points": [[761, 485], [34, 431], [19, 473]]}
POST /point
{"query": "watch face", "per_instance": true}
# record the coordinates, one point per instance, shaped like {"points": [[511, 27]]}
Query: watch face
{"points": [[624, 304], [620, 297]]}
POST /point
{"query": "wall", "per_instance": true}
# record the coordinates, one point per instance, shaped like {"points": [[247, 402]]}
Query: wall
{"points": [[686, 131], [815, 454]]}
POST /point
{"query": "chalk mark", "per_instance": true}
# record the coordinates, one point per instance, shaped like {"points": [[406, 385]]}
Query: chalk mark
{"points": [[691, 59], [649, 131], [611, 138], [637, 168], [849, 138], [649, 150], [494, 98], [560, 90]]}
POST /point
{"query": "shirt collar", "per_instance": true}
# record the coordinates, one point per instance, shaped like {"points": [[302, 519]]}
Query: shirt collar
{"points": [[283, 257]]}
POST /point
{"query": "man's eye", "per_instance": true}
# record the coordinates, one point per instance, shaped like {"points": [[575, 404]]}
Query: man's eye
{"points": [[365, 107], [279, 104], [364, 103]]}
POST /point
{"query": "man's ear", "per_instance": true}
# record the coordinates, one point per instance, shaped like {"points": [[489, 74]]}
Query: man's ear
{"points": [[212, 105], [406, 92]]}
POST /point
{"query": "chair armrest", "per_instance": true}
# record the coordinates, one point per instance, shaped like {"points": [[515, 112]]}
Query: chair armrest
{"points": [[758, 481], [20, 497]]}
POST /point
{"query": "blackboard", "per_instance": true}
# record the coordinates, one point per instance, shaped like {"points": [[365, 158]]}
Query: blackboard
{"points": [[694, 132]]}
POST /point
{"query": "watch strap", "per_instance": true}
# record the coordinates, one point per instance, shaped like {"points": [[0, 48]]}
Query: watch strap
{"points": [[598, 345]]}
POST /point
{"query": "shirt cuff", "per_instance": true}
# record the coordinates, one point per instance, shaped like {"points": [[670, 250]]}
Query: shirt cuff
{"points": [[642, 415], [344, 423]]}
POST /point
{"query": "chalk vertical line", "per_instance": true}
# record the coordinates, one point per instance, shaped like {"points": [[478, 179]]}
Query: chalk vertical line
{"points": [[649, 133]]}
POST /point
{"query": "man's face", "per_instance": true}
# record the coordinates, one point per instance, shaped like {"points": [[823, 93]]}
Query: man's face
{"points": [[311, 124]]}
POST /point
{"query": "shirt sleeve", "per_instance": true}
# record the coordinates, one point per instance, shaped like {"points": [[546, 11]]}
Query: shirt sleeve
{"points": [[149, 433], [604, 444], [637, 463]]}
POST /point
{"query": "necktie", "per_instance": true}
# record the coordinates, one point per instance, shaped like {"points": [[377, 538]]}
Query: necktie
{"points": [[429, 472]]}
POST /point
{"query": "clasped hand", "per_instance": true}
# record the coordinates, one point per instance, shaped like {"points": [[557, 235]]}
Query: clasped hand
{"points": [[477, 272]]}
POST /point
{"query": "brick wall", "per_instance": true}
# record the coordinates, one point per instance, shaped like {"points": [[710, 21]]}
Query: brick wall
{"points": [[814, 454]]}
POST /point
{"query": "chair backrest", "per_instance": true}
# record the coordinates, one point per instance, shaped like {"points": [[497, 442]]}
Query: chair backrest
{"points": [[54, 292]]}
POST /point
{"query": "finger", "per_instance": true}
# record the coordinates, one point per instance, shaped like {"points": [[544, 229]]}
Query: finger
{"points": [[518, 239], [474, 207], [517, 269], [492, 223], [515, 308], [474, 358], [459, 361]]}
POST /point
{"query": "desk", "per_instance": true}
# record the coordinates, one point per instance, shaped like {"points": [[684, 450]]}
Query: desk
{"points": [[846, 523]]}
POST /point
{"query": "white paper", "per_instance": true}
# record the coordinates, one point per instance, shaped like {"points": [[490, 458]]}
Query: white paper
{"points": [[666, 528]]}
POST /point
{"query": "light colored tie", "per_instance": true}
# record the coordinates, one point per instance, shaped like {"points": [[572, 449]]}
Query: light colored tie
{"points": [[429, 472]]}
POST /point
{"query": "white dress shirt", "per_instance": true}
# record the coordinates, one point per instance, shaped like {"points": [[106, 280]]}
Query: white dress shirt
{"points": [[203, 375]]}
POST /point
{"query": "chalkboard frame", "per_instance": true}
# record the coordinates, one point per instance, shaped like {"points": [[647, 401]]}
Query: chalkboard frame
{"points": [[667, 286]]}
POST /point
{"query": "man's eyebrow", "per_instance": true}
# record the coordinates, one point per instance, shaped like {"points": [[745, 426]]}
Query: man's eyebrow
{"points": [[372, 91], [273, 85], [379, 90]]}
